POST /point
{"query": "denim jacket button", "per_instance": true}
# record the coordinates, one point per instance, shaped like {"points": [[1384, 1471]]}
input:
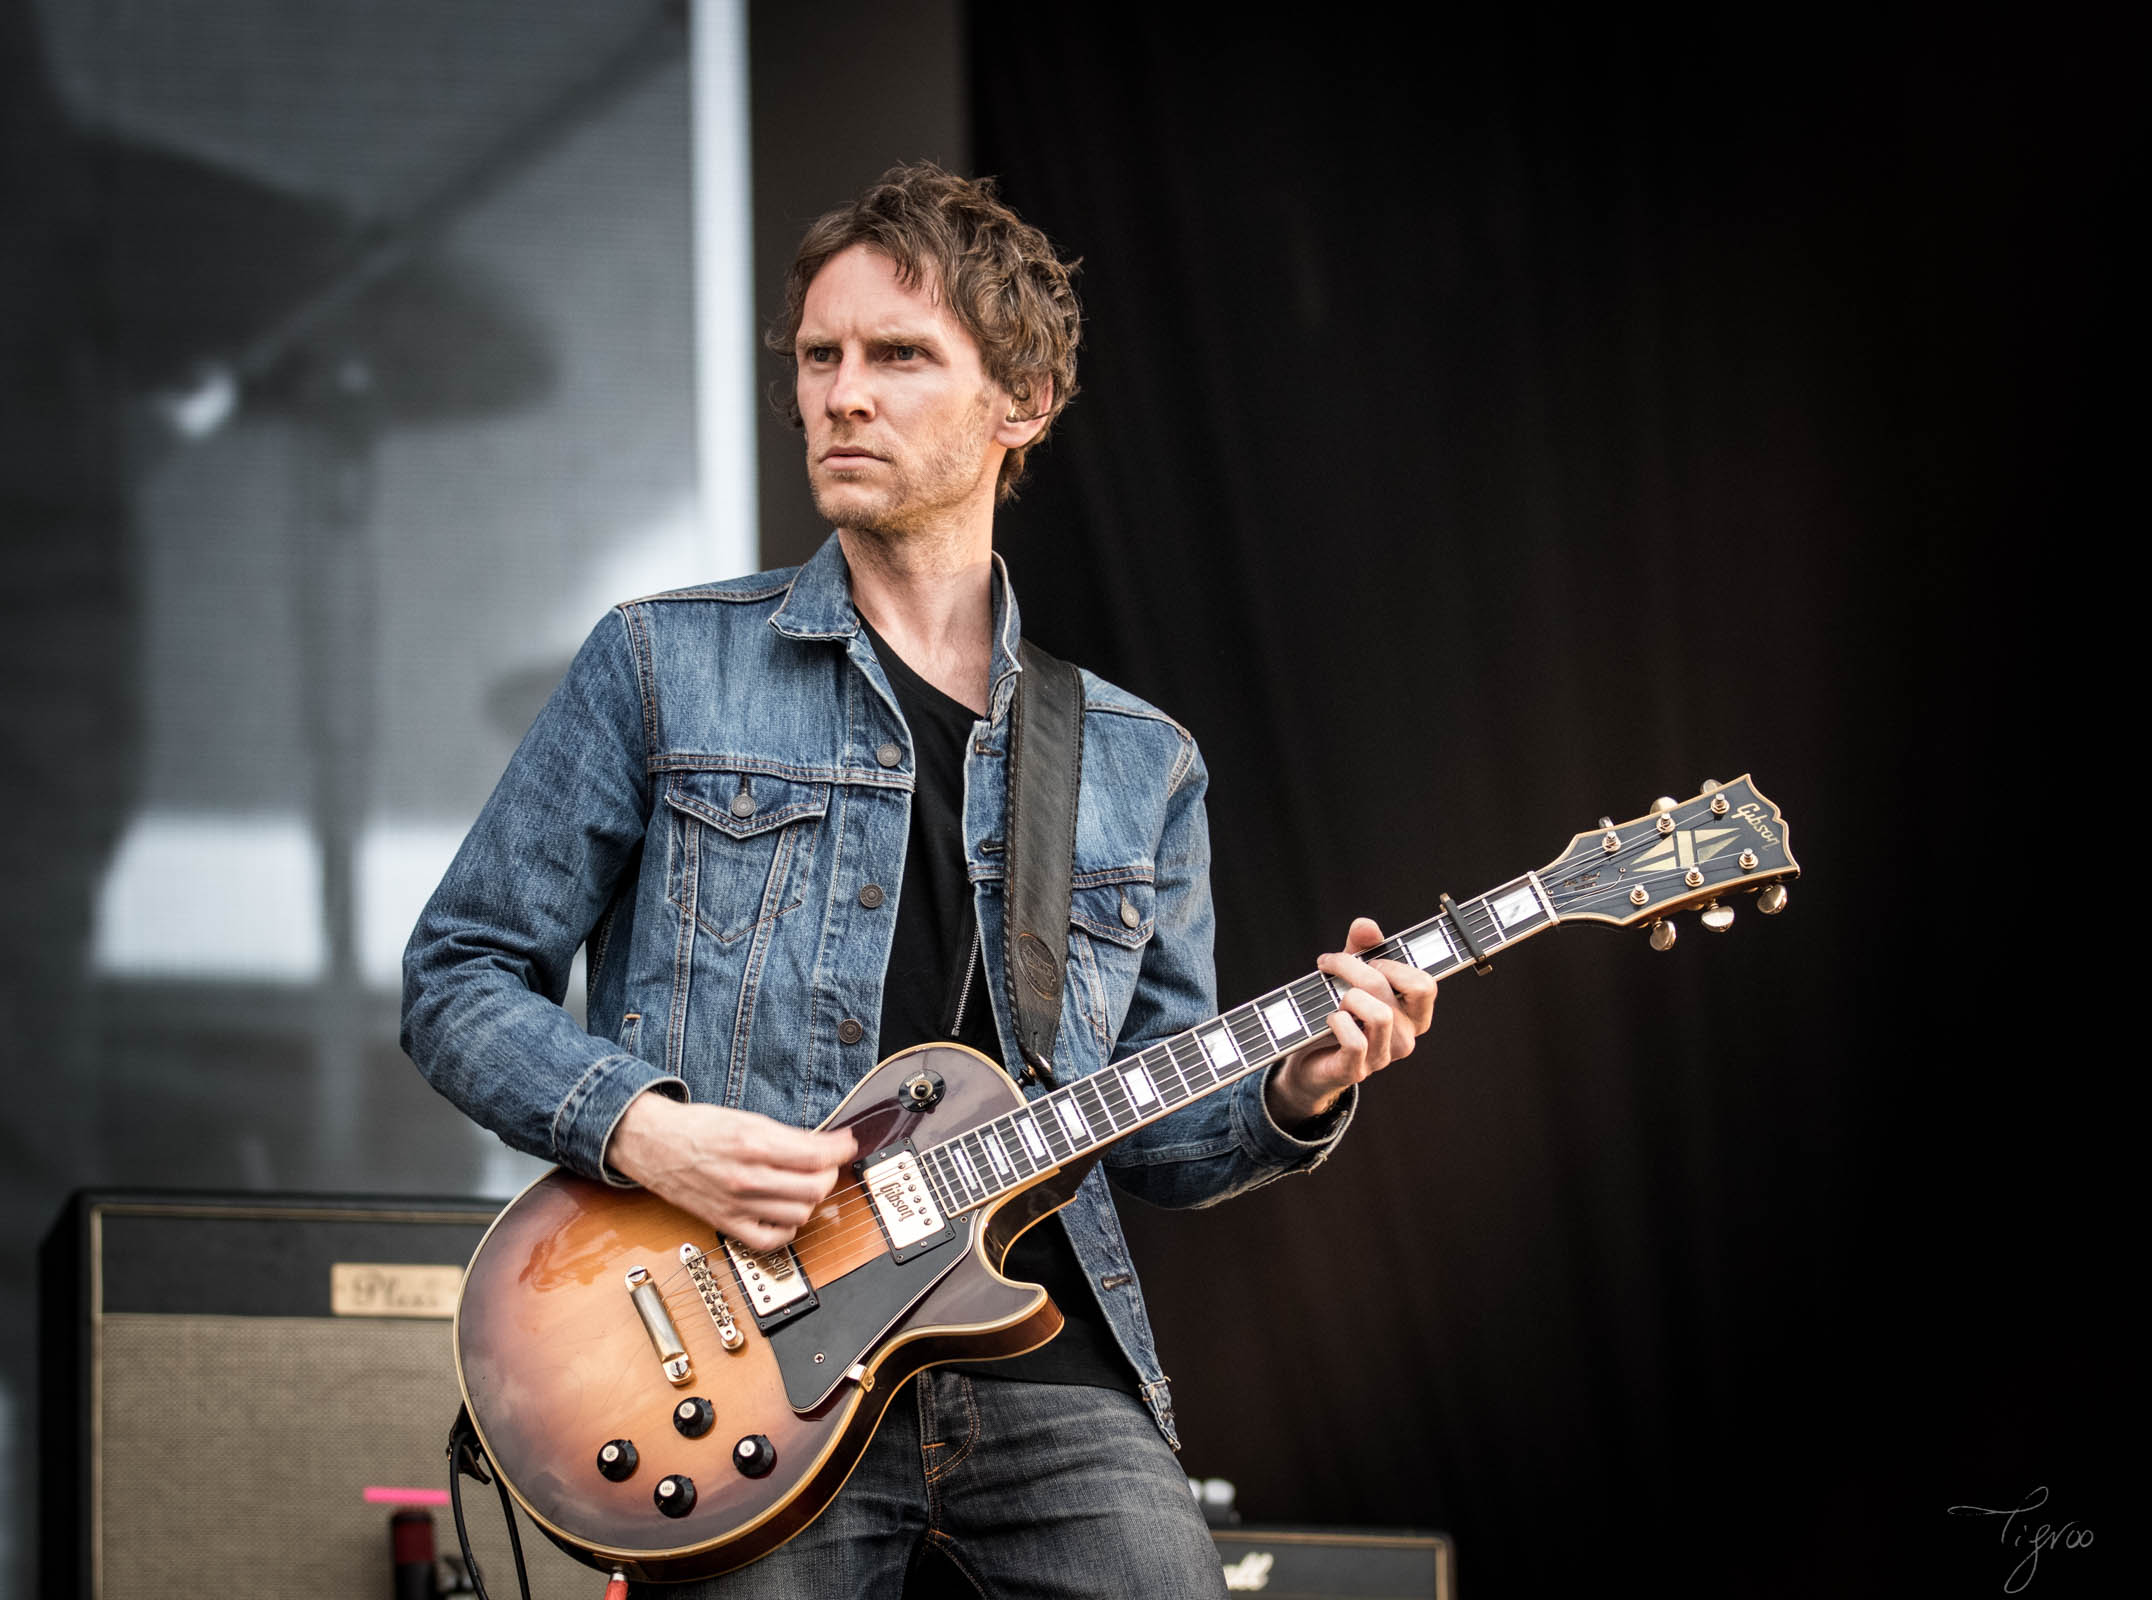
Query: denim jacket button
{"points": [[889, 755], [850, 1032], [743, 804], [1130, 916], [871, 896]]}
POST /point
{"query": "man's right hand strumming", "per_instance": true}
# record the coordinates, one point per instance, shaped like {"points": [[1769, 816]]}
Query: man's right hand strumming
{"points": [[754, 1179]]}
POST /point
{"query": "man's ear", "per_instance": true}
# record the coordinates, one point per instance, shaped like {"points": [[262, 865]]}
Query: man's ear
{"points": [[1024, 419]]}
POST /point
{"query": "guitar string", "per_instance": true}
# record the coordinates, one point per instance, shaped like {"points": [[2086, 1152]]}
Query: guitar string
{"points": [[846, 1236], [842, 1236]]}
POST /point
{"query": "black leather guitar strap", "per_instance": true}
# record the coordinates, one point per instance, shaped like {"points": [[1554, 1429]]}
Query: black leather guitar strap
{"points": [[1045, 774]]}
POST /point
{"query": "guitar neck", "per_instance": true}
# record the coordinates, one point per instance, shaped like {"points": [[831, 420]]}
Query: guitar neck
{"points": [[1078, 1118]]}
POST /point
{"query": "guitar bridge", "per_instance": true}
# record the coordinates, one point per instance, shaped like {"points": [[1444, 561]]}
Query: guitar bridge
{"points": [[713, 1298]]}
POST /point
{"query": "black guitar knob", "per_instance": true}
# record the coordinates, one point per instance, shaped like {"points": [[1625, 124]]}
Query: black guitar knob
{"points": [[617, 1459], [693, 1416], [754, 1455], [675, 1495]]}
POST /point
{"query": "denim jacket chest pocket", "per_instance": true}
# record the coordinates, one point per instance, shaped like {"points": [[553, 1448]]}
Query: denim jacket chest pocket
{"points": [[1112, 915], [740, 847]]}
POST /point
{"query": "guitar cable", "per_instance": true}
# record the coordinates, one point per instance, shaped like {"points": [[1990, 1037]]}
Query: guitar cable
{"points": [[467, 1455]]}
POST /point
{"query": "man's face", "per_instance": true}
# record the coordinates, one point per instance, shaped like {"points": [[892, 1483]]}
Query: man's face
{"points": [[899, 412]]}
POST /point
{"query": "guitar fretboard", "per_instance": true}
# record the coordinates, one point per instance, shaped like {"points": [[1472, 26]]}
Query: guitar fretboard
{"points": [[1077, 1118]]}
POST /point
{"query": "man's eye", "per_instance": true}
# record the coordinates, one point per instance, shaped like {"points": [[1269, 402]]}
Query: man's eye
{"points": [[904, 352], [817, 354]]}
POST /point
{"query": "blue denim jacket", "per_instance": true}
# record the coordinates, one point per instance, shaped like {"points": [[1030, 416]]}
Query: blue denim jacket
{"points": [[702, 800]]}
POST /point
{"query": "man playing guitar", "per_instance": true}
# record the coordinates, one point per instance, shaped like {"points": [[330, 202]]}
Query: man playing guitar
{"points": [[773, 809]]}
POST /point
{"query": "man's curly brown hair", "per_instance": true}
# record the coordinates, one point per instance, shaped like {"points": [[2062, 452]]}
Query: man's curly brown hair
{"points": [[998, 275]]}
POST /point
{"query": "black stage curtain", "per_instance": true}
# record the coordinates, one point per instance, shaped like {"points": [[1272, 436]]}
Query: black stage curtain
{"points": [[1490, 426]]}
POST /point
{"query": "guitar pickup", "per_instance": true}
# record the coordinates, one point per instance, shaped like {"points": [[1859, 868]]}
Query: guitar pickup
{"points": [[903, 1204], [776, 1289]]}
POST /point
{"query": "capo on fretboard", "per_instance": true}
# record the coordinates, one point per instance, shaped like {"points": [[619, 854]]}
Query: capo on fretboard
{"points": [[1463, 931]]}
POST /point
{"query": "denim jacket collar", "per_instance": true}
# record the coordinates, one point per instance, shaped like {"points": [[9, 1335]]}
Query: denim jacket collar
{"points": [[818, 605]]}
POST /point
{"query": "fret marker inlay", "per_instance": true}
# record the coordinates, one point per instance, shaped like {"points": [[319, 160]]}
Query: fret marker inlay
{"points": [[1429, 947], [1139, 1086], [1220, 1045], [1520, 905], [1072, 1119], [1283, 1019]]}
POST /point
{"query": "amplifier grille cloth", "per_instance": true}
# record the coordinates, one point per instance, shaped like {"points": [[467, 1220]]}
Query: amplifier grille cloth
{"points": [[235, 1449]]}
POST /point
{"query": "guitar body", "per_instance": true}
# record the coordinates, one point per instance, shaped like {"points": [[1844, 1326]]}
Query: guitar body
{"points": [[555, 1360]]}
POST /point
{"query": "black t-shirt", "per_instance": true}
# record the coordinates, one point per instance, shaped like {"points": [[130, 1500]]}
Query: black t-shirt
{"points": [[936, 990]]}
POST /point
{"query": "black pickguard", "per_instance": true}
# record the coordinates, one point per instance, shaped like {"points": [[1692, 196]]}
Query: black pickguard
{"points": [[815, 1351]]}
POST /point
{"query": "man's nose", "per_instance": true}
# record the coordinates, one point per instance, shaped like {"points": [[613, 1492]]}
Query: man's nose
{"points": [[850, 393]]}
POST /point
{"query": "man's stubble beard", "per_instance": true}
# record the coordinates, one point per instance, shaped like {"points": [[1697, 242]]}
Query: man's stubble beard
{"points": [[907, 508]]}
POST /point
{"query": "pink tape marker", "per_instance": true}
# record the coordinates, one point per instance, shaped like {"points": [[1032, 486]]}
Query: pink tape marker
{"points": [[379, 1495]]}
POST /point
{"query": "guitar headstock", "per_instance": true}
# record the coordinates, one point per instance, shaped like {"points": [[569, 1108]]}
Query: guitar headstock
{"points": [[1726, 840]]}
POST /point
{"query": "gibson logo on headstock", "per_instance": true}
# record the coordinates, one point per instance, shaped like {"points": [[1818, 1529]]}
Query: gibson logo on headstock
{"points": [[1752, 814]]}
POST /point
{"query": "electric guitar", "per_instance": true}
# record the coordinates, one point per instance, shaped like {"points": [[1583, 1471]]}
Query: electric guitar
{"points": [[665, 1401]]}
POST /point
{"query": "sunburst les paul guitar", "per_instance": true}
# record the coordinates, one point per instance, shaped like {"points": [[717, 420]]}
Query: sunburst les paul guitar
{"points": [[665, 1401]]}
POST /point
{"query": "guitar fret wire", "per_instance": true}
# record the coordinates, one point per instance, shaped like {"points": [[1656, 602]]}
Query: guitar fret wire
{"points": [[1089, 1096], [1113, 1094], [982, 1163], [1005, 1130], [941, 1190], [1188, 1070], [1111, 1088], [1166, 1078], [1246, 1026], [1051, 1128], [1073, 1121]]}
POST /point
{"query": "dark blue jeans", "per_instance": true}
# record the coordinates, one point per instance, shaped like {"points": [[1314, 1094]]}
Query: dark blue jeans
{"points": [[1028, 1489]]}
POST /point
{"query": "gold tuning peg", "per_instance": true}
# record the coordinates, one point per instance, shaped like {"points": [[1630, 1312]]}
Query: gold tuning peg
{"points": [[1665, 802], [1772, 900], [1709, 786], [1717, 918], [1663, 934]]}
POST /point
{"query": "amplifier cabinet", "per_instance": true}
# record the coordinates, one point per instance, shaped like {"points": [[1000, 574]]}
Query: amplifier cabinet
{"points": [[1287, 1563], [224, 1377]]}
